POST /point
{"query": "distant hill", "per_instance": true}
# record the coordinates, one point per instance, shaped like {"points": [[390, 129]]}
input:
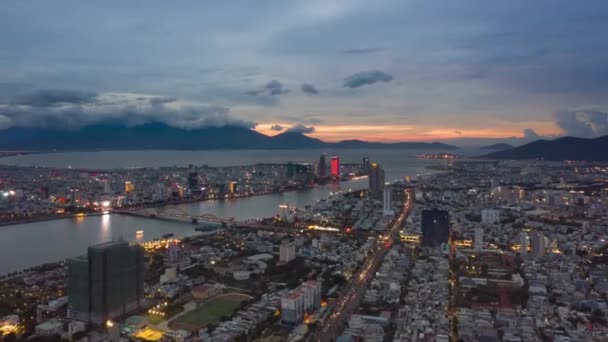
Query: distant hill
{"points": [[567, 148], [160, 136], [498, 147]]}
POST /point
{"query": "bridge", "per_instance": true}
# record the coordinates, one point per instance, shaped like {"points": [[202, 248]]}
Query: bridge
{"points": [[180, 215]]}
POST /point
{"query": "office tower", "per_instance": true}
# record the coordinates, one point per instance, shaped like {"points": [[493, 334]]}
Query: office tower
{"points": [[107, 186], [291, 170], [322, 167], [365, 164], [107, 283], [490, 216], [435, 227], [129, 187], [387, 208], [193, 186], [478, 239], [75, 196], [306, 297], [538, 244], [287, 251], [232, 188], [335, 167], [174, 252], [376, 178]]}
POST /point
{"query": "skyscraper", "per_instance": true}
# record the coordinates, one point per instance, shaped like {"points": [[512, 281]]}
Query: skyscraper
{"points": [[322, 167], [387, 208], [193, 186], [365, 164], [335, 167], [478, 239], [538, 244], [287, 251], [435, 227], [106, 283], [376, 178]]}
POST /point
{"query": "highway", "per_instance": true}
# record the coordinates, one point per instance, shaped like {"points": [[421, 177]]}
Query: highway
{"points": [[350, 296]]}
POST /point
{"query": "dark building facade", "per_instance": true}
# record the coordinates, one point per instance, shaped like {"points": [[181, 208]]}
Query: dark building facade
{"points": [[376, 178], [435, 227], [106, 283]]}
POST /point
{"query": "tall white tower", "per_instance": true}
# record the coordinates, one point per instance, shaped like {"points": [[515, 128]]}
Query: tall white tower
{"points": [[478, 239], [387, 208]]}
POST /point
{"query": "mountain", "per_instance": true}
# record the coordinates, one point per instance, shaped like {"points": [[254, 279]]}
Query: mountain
{"points": [[498, 147], [566, 148], [160, 136]]}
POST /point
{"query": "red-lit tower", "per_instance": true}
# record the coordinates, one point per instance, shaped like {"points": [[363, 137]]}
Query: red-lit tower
{"points": [[335, 167]]}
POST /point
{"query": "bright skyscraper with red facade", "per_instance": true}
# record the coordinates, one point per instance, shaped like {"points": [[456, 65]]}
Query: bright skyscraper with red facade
{"points": [[335, 166]]}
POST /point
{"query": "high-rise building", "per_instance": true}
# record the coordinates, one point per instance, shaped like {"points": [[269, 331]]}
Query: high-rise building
{"points": [[287, 251], [75, 196], [435, 227], [107, 186], [538, 244], [335, 167], [387, 208], [232, 187], [322, 167], [524, 242], [129, 187], [376, 178], [478, 239], [365, 164], [107, 283], [306, 297], [193, 187]]}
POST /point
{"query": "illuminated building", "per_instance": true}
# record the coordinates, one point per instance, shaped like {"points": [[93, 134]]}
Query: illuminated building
{"points": [[435, 227], [524, 244], [376, 178], [129, 187], [232, 187], [335, 167], [75, 196], [106, 283], [193, 187]]}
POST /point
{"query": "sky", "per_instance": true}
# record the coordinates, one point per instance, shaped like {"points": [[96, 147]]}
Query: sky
{"points": [[467, 71]]}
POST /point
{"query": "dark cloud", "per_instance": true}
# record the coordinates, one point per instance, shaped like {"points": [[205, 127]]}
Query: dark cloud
{"points": [[457, 132], [364, 51], [277, 127], [366, 78], [309, 89], [273, 87], [582, 123], [53, 97], [63, 109], [299, 128]]}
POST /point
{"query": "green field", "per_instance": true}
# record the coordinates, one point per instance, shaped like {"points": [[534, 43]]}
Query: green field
{"points": [[208, 313]]}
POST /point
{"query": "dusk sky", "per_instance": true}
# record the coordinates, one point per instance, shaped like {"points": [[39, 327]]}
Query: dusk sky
{"points": [[376, 70]]}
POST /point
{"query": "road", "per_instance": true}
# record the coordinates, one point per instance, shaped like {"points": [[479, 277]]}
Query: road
{"points": [[351, 295]]}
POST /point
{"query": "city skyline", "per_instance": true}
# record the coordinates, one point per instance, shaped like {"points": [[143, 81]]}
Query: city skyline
{"points": [[460, 73]]}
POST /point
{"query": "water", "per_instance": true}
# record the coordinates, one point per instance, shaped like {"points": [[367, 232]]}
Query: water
{"points": [[31, 244]]}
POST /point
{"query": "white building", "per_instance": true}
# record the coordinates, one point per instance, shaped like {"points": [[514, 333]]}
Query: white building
{"points": [[478, 239], [387, 208], [306, 297], [490, 216], [525, 244], [287, 251]]}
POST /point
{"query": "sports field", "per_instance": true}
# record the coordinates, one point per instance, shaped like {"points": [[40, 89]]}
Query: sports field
{"points": [[207, 313]]}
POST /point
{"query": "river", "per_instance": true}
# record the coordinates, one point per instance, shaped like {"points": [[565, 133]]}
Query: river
{"points": [[30, 244]]}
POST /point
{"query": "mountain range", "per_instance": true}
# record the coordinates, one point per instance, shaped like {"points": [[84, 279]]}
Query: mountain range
{"points": [[161, 136], [566, 148], [498, 147]]}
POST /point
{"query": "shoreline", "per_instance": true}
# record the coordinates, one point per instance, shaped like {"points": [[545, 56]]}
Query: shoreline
{"points": [[52, 217]]}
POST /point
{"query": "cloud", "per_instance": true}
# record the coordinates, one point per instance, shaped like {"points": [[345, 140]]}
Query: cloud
{"points": [[273, 87], [364, 51], [366, 78], [277, 127], [309, 89], [299, 128], [582, 123], [530, 134], [458, 132], [52, 97], [66, 109]]}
